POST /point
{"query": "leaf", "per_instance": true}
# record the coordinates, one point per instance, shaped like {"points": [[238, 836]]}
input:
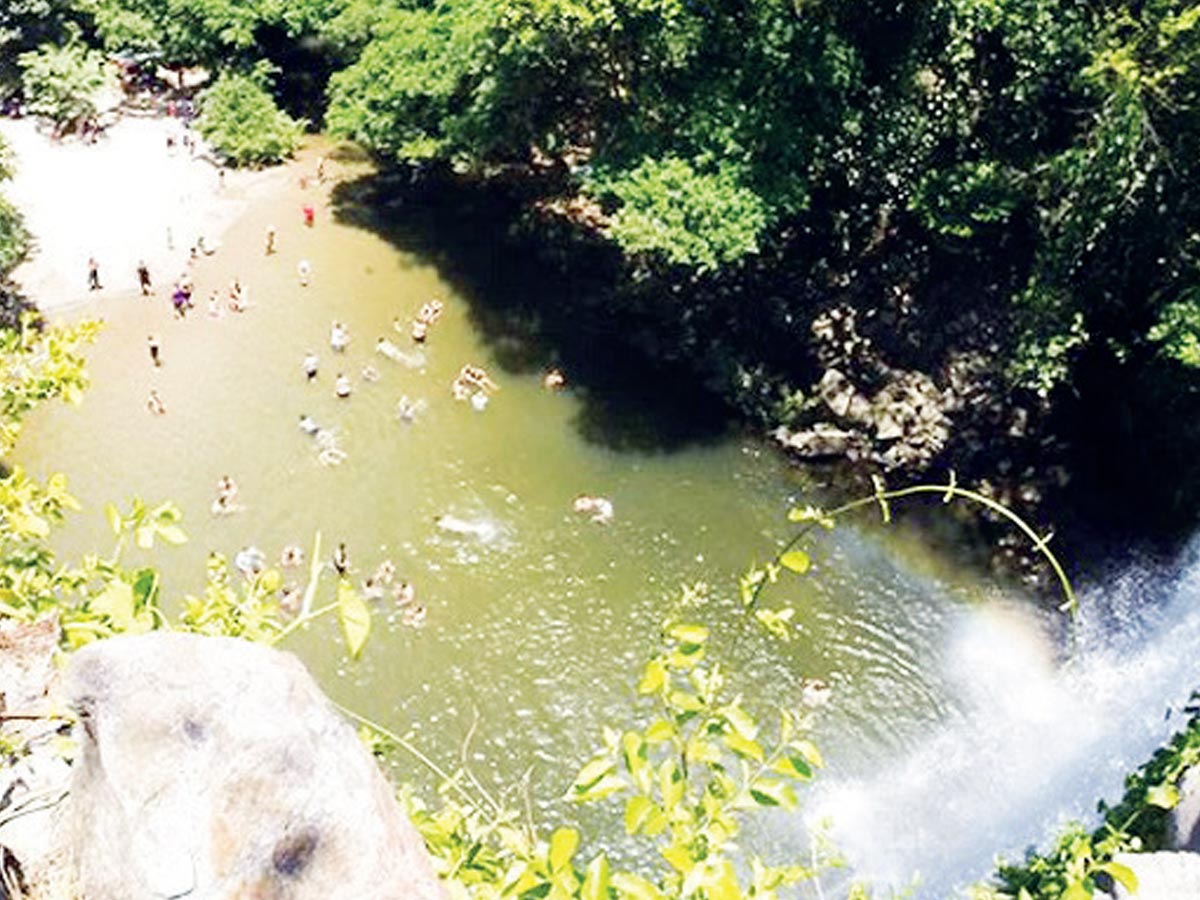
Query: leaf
{"points": [[634, 887], [743, 746], [1163, 795], [654, 676], [606, 786], [660, 731], [563, 844], [143, 535], [688, 634], [1076, 891], [796, 560], [355, 617], [270, 581], [1122, 874], [770, 792], [592, 772], [116, 602], [145, 586], [670, 784], [595, 880], [809, 751], [172, 534], [637, 810], [793, 766]]}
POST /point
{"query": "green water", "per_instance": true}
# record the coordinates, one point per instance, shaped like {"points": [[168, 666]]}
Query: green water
{"points": [[537, 632]]}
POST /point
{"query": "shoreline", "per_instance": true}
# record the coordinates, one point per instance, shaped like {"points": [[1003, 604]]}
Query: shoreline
{"points": [[77, 203]]}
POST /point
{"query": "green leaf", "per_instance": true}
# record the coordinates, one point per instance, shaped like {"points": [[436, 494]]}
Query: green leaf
{"points": [[1164, 795], [637, 810], [654, 676], [660, 731], [634, 887], [172, 534], [145, 586], [592, 772], [770, 792], [793, 766], [355, 617], [143, 535], [1122, 874], [796, 560], [1077, 891], [116, 602], [595, 880], [743, 746], [688, 634], [605, 786], [563, 844]]}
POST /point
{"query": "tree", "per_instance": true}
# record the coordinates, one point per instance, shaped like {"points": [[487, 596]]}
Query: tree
{"points": [[243, 124], [64, 83]]}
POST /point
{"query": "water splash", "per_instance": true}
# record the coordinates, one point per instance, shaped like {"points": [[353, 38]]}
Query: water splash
{"points": [[1034, 739]]}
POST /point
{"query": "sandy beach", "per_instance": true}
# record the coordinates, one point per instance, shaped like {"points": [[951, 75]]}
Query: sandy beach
{"points": [[123, 199]]}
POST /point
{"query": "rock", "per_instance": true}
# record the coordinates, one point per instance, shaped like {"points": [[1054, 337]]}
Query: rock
{"points": [[1183, 827], [215, 768], [822, 440], [1161, 876]]}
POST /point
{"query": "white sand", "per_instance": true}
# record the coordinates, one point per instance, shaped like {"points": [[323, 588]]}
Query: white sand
{"points": [[120, 200]]}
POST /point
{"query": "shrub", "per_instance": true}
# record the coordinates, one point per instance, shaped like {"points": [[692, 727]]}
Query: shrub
{"points": [[239, 118]]}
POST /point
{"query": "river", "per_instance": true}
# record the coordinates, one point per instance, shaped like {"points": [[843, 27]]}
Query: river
{"points": [[538, 622]]}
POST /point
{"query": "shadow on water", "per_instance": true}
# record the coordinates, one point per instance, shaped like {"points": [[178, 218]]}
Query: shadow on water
{"points": [[533, 315]]}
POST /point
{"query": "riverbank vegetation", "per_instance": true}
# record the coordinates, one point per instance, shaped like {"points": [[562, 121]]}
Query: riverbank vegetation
{"points": [[982, 220]]}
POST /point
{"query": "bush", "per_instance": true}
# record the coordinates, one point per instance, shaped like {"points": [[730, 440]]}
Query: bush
{"points": [[239, 118], [63, 83]]}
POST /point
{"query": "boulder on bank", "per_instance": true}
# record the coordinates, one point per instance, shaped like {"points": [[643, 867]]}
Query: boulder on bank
{"points": [[215, 768]]}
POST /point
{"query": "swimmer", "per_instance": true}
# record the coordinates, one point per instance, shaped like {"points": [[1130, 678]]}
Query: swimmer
{"points": [[339, 337], [419, 331], [477, 376], [291, 556], [341, 559], [460, 389], [430, 312], [310, 365], [385, 572], [331, 456], [414, 615], [227, 491], [370, 373], [342, 386], [309, 425], [303, 271], [291, 598], [479, 401], [155, 404], [249, 561], [404, 594], [815, 692], [554, 380], [407, 410], [599, 509], [372, 590]]}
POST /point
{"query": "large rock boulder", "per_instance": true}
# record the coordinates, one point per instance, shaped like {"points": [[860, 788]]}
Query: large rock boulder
{"points": [[1161, 876], [216, 768]]}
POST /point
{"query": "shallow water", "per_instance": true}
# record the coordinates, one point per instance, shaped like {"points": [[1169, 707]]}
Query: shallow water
{"points": [[538, 624]]}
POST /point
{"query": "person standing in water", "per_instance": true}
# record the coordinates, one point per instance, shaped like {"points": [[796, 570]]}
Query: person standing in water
{"points": [[310, 365], [341, 559], [155, 404], [154, 347]]}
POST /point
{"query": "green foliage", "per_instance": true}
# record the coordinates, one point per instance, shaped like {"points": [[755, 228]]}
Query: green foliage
{"points": [[1071, 868], [240, 120], [683, 780], [63, 83], [690, 218], [1178, 330]]}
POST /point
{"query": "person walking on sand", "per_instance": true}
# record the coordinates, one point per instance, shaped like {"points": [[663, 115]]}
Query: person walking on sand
{"points": [[341, 559], [93, 274], [309, 214], [304, 270], [155, 404], [153, 346], [270, 240], [143, 274]]}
